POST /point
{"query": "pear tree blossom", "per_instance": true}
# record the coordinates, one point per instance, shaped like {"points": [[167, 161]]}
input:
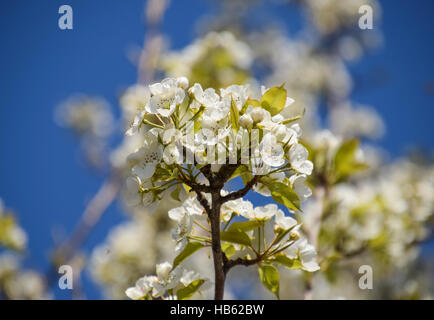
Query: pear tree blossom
{"points": [[263, 149]]}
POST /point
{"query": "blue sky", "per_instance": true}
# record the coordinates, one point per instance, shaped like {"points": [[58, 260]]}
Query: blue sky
{"points": [[41, 177]]}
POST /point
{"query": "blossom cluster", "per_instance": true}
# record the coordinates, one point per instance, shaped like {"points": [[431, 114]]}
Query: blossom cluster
{"points": [[280, 232], [196, 127], [193, 136], [169, 283]]}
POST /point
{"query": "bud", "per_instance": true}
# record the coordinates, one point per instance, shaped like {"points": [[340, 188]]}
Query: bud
{"points": [[182, 82], [294, 235], [246, 121], [280, 132], [257, 114], [208, 123]]}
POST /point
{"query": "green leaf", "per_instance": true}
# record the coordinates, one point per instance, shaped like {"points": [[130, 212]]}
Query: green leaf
{"points": [[270, 278], [197, 114], [345, 162], [246, 176], [274, 100], [197, 126], [282, 233], [284, 194], [188, 291], [186, 188], [244, 226], [189, 249], [235, 117], [162, 174], [287, 121], [292, 264], [238, 237], [253, 103], [175, 193], [228, 249], [238, 171]]}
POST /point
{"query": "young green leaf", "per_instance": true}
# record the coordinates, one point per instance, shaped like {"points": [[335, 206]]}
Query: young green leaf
{"points": [[284, 194], [292, 264], [270, 278], [235, 117], [274, 100], [188, 291], [189, 249], [253, 103], [345, 160], [228, 249], [238, 171], [175, 193], [238, 237], [244, 226]]}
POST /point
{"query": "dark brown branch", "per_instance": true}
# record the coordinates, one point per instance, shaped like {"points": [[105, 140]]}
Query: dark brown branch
{"points": [[198, 187], [242, 192], [203, 202], [219, 274], [228, 264]]}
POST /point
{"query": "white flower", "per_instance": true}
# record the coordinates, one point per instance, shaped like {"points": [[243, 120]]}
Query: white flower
{"points": [[163, 271], [173, 154], [238, 206], [137, 122], [306, 253], [297, 155], [165, 97], [246, 121], [188, 277], [257, 114], [192, 206], [283, 222], [284, 134], [133, 102], [142, 288], [262, 213], [238, 93], [146, 158], [307, 258], [298, 185], [134, 293], [271, 152], [182, 82], [133, 196], [168, 278], [208, 98], [136, 97], [183, 228], [184, 215]]}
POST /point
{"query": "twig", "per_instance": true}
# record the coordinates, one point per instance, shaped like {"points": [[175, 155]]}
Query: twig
{"points": [[242, 192], [91, 215]]}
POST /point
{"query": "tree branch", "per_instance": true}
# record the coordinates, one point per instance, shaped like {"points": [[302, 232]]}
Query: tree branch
{"points": [[242, 192], [228, 264]]}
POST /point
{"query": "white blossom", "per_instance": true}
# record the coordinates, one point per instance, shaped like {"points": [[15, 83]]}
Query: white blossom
{"points": [[283, 222], [165, 97], [297, 155], [264, 213], [239, 94]]}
